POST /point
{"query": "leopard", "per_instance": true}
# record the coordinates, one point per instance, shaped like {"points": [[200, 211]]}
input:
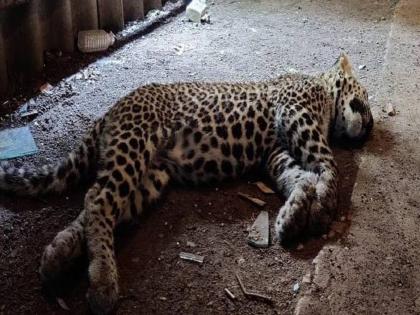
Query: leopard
{"points": [[200, 132]]}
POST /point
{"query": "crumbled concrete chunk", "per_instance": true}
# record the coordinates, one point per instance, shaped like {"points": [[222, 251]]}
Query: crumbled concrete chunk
{"points": [[259, 233]]}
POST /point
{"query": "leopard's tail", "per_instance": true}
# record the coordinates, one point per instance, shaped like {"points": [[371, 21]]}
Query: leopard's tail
{"points": [[53, 178]]}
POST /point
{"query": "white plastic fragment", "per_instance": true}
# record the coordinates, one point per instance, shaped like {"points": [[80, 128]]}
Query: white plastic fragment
{"points": [[229, 294], [264, 188], [94, 40], [259, 234], [256, 201], [362, 67], [196, 10], [191, 257], [62, 304], [296, 287]]}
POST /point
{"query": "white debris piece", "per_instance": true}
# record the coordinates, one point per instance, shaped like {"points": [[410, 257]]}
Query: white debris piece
{"points": [[191, 257], [361, 67], [94, 40], [390, 110], [256, 201], [259, 233], [264, 188], [296, 287], [196, 10]]}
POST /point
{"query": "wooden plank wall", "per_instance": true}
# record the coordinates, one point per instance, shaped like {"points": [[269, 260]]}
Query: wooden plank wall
{"points": [[29, 28]]}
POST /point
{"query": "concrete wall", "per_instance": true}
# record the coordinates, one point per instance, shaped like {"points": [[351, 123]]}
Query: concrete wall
{"points": [[28, 28]]}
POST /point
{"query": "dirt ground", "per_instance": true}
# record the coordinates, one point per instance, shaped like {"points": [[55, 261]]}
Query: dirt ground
{"points": [[246, 40]]}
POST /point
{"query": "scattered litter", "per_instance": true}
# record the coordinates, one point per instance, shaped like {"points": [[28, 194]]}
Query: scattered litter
{"points": [[291, 70], [191, 244], [264, 188], [46, 88], [296, 287], [253, 295], [16, 142], [307, 278], [62, 304], [31, 113], [179, 49], [191, 257], [390, 110], [229, 294], [94, 40], [196, 10], [362, 67], [205, 19], [256, 201], [259, 234]]}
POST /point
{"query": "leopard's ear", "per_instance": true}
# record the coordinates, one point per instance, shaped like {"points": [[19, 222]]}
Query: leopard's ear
{"points": [[343, 64]]}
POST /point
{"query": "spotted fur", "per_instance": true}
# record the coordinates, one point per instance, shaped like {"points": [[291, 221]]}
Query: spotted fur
{"points": [[198, 132]]}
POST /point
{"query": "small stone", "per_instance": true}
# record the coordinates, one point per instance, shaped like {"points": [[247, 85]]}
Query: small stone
{"points": [[390, 110], [162, 298], [296, 287], [307, 278], [331, 234], [417, 304], [191, 244], [259, 233], [362, 67], [300, 247]]}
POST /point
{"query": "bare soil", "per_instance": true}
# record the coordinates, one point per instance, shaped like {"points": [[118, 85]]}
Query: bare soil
{"points": [[247, 40]]}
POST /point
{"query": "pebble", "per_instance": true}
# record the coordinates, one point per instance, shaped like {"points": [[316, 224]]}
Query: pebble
{"points": [[296, 287], [307, 278], [390, 110]]}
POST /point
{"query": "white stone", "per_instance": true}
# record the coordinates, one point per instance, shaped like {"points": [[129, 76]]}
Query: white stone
{"points": [[259, 233]]}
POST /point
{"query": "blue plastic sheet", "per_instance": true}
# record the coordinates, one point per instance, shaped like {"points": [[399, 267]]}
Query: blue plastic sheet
{"points": [[16, 142]]}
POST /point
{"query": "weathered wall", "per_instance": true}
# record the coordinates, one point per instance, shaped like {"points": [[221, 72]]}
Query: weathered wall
{"points": [[28, 28]]}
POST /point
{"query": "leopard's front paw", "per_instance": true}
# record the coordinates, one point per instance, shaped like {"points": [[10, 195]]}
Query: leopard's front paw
{"points": [[319, 219], [103, 298], [58, 256], [292, 219]]}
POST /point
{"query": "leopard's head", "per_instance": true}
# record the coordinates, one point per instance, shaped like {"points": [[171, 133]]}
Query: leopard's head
{"points": [[353, 117]]}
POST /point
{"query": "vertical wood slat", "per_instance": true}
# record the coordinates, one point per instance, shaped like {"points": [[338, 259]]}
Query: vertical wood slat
{"points": [[152, 4], [111, 15], [31, 52], [3, 63], [85, 15], [58, 25], [133, 10]]}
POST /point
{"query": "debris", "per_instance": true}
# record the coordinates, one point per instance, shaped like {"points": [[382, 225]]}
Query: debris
{"points": [[264, 188], [62, 304], [16, 142], [229, 294], [46, 88], [196, 10], [162, 298], [390, 110], [205, 19], [252, 295], [179, 49], [94, 40], [191, 244], [296, 287], [307, 278], [31, 113], [191, 257], [256, 201], [362, 67], [259, 234]]}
